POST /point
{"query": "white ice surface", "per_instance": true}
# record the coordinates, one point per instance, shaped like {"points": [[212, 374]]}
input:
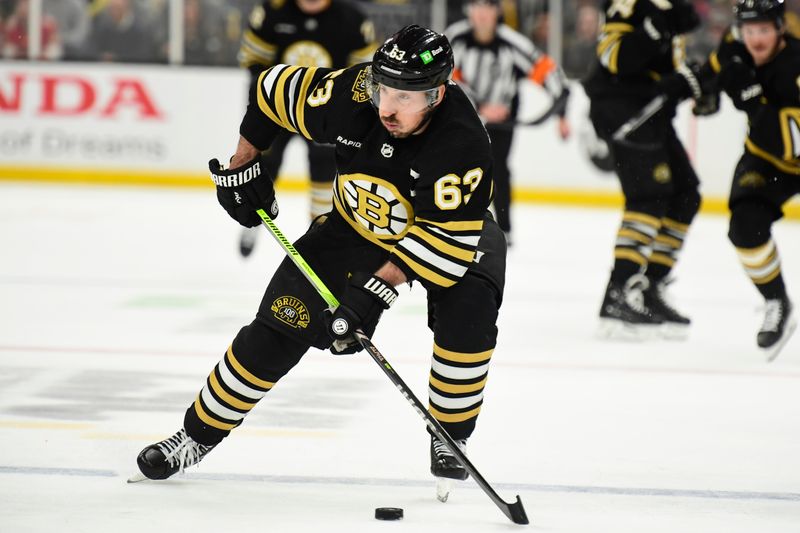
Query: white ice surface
{"points": [[116, 303]]}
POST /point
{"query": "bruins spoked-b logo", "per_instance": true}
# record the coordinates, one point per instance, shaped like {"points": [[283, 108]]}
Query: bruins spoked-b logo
{"points": [[374, 206], [291, 311]]}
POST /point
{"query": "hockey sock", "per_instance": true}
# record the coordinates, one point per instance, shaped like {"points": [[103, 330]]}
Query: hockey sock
{"points": [[230, 392], [763, 265], [456, 388], [666, 248], [634, 243]]}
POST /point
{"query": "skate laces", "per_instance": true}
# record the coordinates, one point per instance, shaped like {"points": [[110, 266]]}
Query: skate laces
{"points": [[181, 451], [773, 313], [660, 294], [634, 292], [440, 449]]}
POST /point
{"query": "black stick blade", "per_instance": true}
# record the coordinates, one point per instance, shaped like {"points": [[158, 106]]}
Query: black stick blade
{"points": [[516, 512]]}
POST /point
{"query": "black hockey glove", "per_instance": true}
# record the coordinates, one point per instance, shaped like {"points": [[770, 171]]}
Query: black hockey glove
{"points": [[240, 191], [682, 17], [739, 81], [681, 84], [365, 298], [708, 102]]}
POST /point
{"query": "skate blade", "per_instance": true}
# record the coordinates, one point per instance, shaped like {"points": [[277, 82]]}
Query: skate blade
{"points": [[775, 349], [443, 488], [137, 477], [675, 332], [612, 329]]}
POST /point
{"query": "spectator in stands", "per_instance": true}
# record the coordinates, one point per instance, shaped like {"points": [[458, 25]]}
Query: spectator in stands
{"points": [[15, 35], [119, 33], [73, 24], [206, 29]]}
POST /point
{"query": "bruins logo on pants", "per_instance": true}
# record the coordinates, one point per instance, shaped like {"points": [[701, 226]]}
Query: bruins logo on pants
{"points": [[291, 311]]}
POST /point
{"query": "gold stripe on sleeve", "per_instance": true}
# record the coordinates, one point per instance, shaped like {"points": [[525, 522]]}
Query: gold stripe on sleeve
{"points": [[439, 244], [424, 272], [280, 104], [301, 102], [262, 102]]}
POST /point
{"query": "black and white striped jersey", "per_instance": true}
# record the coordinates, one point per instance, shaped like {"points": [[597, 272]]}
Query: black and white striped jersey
{"points": [[491, 72], [278, 32], [422, 198]]}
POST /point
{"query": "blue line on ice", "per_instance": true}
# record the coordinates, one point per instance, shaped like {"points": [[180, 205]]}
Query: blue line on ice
{"points": [[365, 481]]}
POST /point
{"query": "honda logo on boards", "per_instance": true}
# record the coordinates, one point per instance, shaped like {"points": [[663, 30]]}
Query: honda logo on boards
{"points": [[69, 95]]}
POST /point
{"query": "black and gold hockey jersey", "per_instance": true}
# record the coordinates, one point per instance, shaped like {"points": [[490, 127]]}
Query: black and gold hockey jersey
{"points": [[629, 60], [279, 32], [423, 198], [774, 124]]}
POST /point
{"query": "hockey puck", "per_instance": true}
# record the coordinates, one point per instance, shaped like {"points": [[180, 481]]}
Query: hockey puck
{"points": [[389, 513]]}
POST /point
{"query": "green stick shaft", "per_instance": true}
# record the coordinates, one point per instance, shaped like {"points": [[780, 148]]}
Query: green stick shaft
{"points": [[298, 260]]}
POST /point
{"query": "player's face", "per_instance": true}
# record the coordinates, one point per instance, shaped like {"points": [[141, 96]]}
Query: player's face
{"points": [[401, 112], [761, 39], [312, 7]]}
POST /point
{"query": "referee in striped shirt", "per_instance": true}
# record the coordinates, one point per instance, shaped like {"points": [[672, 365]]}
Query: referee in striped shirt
{"points": [[490, 61]]}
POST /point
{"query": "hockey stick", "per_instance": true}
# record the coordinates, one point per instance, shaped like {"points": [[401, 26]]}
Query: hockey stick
{"points": [[557, 105], [514, 511], [635, 122]]}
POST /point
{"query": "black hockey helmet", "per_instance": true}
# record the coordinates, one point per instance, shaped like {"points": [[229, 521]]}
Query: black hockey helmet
{"points": [[413, 59], [760, 10]]}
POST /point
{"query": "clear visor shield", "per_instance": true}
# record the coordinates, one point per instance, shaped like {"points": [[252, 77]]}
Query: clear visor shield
{"points": [[397, 100]]}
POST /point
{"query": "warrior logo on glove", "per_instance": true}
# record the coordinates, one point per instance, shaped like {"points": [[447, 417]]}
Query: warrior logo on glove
{"points": [[243, 190], [240, 178]]}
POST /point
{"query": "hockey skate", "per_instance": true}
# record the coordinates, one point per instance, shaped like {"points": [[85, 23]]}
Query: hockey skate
{"points": [[445, 467], [624, 315], [780, 321], [676, 325], [247, 241], [163, 459]]}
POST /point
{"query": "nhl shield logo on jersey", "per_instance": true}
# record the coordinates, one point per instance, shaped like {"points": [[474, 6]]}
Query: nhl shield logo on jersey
{"points": [[387, 150], [291, 311]]}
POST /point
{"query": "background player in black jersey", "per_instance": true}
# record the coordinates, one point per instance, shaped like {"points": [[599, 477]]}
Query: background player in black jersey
{"points": [[640, 56], [758, 66], [412, 191], [490, 61], [309, 33]]}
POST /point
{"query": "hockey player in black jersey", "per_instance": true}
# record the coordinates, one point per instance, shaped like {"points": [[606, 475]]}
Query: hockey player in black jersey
{"points": [[411, 201], [308, 33], [758, 66], [639, 55]]}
